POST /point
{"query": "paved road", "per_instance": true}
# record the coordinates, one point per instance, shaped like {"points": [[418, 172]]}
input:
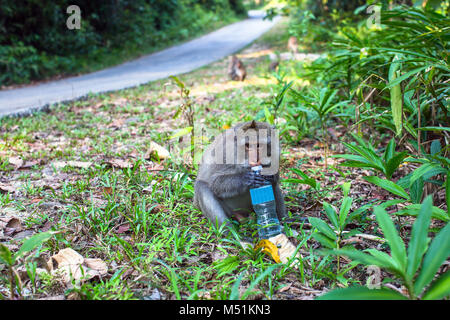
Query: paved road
{"points": [[175, 60]]}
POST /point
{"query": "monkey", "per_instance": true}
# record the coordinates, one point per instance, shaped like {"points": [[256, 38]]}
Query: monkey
{"points": [[236, 69], [292, 44], [221, 190], [274, 66]]}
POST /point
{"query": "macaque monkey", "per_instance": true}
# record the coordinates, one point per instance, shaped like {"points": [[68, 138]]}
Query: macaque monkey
{"points": [[225, 176], [274, 66], [236, 69], [292, 44]]}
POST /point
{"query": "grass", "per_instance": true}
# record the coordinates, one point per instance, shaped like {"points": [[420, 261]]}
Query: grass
{"points": [[118, 204]]}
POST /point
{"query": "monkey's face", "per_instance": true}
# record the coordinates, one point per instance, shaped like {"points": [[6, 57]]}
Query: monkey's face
{"points": [[258, 145]]}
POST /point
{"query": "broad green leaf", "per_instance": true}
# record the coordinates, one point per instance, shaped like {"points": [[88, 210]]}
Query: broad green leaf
{"points": [[385, 260], [396, 94], [343, 212], [389, 186], [320, 225], [6, 256], [346, 188], [393, 163], [331, 214], [398, 250], [268, 116], [396, 80], [309, 182], [226, 265], [178, 82], [33, 242], [324, 240], [438, 252], [419, 236], [424, 169], [390, 150], [416, 191], [439, 289], [361, 257], [434, 128], [361, 293], [181, 132], [413, 210], [447, 192], [435, 147]]}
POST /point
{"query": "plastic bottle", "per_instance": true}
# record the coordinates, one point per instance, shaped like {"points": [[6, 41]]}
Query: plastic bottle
{"points": [[263, 202]]}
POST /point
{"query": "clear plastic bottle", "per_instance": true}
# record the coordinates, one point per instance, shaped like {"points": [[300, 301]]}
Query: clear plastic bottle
{"points": [[263, 202]]}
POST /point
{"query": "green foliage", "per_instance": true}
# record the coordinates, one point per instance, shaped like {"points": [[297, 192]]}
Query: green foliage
{"points": [[35, 42], [416, 267], [304, 179], [365, 156], [10, 259]]}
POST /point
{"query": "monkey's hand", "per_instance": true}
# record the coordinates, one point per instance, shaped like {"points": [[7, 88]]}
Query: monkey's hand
{"points": [[255, 180], [270, 179]]}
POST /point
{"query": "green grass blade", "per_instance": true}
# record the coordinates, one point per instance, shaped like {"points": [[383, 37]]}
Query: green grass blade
{"points": [[33, 242], [234, 295], [398, 250], [258, 280], [361, 293], [418, 242], [437, 253]]}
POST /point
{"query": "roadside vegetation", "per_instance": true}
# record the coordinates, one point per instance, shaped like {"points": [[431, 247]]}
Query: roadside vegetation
{"points": [[364, 130], [36, 44]]}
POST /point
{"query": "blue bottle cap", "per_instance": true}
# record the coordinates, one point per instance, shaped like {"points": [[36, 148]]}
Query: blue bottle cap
{"points": [[263, 194]]}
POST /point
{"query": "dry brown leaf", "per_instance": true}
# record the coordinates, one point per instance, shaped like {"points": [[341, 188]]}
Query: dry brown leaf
{"points": [[119, 163], [80, 164], [7, 188], [17, 162], [162, 152], [75, 164], [97, 265], [71, 265]]}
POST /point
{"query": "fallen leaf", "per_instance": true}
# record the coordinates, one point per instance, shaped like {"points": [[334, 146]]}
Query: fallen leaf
{"points": [[123, 228], [75, 164], [10, 225], [72, 266], [80, 164], [107, 190], [96, 264], [119, 163], [7, 188], [17, 162], [161, 152]]}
